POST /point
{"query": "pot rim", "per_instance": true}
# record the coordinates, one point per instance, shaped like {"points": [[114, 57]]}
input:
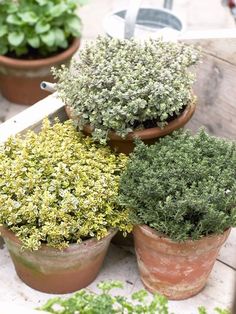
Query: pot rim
{"points": [[7, 233], [146, 134], [22, 64], [152, 233]]}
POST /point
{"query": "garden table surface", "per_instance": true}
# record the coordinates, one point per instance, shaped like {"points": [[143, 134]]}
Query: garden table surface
{"points": [[120, 263]]}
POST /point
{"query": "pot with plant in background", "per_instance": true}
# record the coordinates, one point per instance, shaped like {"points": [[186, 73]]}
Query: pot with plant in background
{"points": [[33, 38], [58, 206], [182, 191], [122, 89]]}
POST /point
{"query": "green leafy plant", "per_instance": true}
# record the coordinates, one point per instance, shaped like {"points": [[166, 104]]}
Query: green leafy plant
{"points": [[57, 187], [124, 85], [183, 186], [85, 302], [36, 28]]}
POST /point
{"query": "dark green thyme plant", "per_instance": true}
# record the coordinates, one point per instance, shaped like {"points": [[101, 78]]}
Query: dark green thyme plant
{"points": [[85, 302], [124, 85], [184, 186], [37, 28], [57, 187]]}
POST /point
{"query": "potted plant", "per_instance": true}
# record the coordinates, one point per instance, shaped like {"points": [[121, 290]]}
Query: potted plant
{"points": [[182, 192], [34, 36], [58, 212], [122, 89]]}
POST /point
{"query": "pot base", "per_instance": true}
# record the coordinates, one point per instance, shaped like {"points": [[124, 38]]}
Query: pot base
{"points": [[178, 270], [185, 292], [60, 282], [58, 271]]}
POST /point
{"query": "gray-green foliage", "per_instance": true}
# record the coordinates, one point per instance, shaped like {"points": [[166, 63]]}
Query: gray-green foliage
{"points": [[85, 302], [57, 187], [184, 186], [121, 84], [44, 25]]}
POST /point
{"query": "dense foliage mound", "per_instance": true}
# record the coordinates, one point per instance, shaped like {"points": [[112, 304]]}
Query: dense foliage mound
{"points": [[122, 85], [57, 187], [184, 186]]}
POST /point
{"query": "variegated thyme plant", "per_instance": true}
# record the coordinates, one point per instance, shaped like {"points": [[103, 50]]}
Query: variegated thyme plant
{"points": [[122, 85], [57, 187]]}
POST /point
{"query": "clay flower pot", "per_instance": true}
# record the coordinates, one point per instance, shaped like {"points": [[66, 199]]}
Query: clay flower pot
{"points": [[176, 270], [149, 136], [58, 271], [20, 79]]}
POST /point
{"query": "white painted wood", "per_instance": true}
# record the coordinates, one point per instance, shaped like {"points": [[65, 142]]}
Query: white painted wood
{"points": [[32, 117], [120, 265]]}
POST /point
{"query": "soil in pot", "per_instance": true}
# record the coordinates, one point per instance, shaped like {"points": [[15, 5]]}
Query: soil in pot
{"points": [[20, 79], [176, 270], [58, 271], [148, 136]]}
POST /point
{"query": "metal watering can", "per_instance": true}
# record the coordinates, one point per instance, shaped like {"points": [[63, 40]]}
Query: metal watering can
{"points": [[147, 22], [143, 22]]}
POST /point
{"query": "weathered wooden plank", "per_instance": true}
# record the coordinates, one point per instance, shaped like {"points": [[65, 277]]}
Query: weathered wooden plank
{"points": [[216, 94], [216, 80], [220, 43], [32, 117]]}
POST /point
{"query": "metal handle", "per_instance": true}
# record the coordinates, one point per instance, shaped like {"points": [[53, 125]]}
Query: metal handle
{"points": [[132, 13], [168, 4], [131, 17]]}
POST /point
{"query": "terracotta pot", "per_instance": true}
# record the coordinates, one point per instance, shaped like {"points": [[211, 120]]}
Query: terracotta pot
{"points": [[54, 271], [149, 136], [20, 79], [176, 270]]}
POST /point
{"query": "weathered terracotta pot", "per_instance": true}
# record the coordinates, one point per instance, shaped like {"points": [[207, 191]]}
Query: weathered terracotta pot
{"points": [[176, 270], [149, 136], [55, 271], [20, 79]]}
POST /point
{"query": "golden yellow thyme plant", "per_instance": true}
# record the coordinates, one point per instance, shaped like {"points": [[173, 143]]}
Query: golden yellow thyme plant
{"points": [[58, 187]]}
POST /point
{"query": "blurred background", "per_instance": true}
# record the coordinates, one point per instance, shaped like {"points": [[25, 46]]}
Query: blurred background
{"points": [[197, 15]]}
